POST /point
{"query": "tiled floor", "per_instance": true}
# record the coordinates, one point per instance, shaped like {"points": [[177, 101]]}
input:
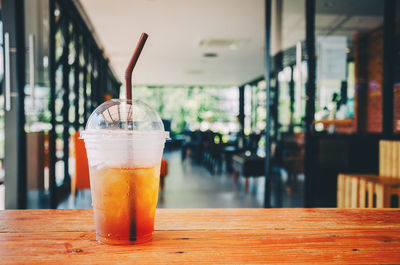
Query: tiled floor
{"points": [[190, 185]]}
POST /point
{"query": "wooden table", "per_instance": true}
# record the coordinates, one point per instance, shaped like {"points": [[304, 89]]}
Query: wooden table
{"points": [[209, 236]]}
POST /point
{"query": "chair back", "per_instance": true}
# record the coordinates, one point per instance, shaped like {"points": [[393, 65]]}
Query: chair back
{"points": [[164, 168], [389, 158], [81, 178]]}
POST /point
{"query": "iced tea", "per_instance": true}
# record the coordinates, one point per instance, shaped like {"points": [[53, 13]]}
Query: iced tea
{"points": [[124, 203]]}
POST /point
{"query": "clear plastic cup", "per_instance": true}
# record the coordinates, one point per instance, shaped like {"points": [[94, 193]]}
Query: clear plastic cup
{"points": [[124, 141]]}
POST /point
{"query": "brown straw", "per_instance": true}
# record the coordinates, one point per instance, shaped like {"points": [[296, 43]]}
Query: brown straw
{"points": [[132, 63]]}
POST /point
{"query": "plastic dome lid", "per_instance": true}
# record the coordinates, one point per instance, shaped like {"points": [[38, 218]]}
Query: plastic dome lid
{"points": [[129, 117]]}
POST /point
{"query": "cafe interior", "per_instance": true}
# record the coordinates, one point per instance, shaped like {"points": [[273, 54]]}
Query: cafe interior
{"points": [[294, 105]]}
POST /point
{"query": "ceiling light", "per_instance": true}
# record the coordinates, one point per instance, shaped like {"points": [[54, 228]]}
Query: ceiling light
{"points": [[195, 72], [232, 44], [210, 54]]}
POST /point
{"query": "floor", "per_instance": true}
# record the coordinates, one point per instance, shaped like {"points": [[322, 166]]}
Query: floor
{"points": [[190, 185]]}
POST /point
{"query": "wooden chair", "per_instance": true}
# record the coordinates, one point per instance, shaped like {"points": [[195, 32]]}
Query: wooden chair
{"points": [[35, 160], [373, 191], [367, 191], [389, 158]]}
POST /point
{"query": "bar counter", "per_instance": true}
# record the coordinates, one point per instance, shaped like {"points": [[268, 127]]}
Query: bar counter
{"points": [[209, 236]]}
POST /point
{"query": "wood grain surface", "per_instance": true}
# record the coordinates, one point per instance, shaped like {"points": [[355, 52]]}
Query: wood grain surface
{"points": [[209, 236]]}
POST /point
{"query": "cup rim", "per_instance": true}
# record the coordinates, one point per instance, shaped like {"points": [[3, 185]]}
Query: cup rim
{"points": [[123, 135]]}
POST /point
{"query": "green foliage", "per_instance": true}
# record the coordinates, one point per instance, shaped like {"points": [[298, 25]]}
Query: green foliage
{"points": [[185, 105]]}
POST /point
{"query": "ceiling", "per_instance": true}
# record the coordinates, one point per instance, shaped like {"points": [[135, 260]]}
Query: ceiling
{"points": [[333, 17], [180, 33]]}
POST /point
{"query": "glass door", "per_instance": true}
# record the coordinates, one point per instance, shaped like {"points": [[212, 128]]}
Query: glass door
{"points": [[2, 189], [36, 101], [288, 111]]}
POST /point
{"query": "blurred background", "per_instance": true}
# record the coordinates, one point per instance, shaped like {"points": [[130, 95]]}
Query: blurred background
{"points": [[269, 103]]}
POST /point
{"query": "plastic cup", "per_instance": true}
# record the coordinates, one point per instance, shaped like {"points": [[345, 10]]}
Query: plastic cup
{"points": [[124, 141]]}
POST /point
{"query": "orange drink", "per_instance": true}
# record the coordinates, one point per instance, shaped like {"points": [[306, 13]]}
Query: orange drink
{"points": [[124, 203]]}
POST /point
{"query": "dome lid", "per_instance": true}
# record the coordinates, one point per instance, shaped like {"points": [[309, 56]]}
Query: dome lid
{"points": [[128, 116]]}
